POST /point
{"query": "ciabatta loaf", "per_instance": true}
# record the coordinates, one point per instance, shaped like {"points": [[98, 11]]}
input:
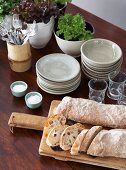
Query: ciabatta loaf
{"points": [[53, 138], [109, 143], [91, 112], [77, 143], [52, 122], [90, 135], [69, 135]]}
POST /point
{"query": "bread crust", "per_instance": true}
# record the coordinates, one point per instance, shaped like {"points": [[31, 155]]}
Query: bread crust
{"points": [[77, 143], [90, 135], [109, 143], [53, 121], [91, 112]]}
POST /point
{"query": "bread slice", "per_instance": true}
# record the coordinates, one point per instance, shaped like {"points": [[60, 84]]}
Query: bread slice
{"points": [[77, 143], [53, 138], [90, 135], [69, 135], [53, 121], [109, 143]]}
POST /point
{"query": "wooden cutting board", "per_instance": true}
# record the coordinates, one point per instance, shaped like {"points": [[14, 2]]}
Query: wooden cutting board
{"points": [[109, 162]]}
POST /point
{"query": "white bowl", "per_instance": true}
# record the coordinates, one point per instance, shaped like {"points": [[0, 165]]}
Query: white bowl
{"points": [[43, 35], [72, 47], [100, 52], [69, 47], [102, 69]]}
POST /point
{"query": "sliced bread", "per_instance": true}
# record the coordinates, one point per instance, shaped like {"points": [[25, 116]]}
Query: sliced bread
{"points": [[90, 135], [53, 138], [77, 143], [69, 135], [53, 121], [109, 143]]}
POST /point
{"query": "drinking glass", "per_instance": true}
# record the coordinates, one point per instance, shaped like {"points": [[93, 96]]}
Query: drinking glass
{"points": [[116, 80], [122, 95], [97, 89]]}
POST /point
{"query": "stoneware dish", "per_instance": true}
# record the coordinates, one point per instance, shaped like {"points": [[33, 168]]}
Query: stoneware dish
{"points": [[18, 88], [58, 67], [100, 52], [33, 100]]}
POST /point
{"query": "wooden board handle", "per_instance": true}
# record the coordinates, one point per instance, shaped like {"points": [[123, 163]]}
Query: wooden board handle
{"points": [[27, 121]]}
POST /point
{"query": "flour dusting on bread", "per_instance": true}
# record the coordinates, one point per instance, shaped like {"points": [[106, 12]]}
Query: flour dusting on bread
{"points": [[91, 112], [109, 143]]}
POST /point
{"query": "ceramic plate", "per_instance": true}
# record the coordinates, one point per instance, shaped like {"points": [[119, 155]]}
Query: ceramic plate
{"points": [[58, 83], [60, 86], [57, 92], [58, 67]]}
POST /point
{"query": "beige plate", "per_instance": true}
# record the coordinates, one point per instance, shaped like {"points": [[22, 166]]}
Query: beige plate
{"points": [[58, 92], [58, 67]]}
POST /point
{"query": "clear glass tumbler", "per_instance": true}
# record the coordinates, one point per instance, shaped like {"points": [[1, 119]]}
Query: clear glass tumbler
{"points": [[116, 80], [122, 95], [97, 89]]}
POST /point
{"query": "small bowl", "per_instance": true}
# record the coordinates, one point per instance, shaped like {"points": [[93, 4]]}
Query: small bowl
{"points": [[33, 100], [18, 88]]}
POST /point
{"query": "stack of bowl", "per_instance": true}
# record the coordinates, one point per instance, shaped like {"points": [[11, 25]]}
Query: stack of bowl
{"points": [[58, 73], [99, 57]]}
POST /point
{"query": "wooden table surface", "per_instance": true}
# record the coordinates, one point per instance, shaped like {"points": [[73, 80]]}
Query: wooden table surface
{"points": [[19, 151]]}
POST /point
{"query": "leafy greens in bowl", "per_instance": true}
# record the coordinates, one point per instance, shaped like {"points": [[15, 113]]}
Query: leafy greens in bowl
{"points": [[73, 28]]}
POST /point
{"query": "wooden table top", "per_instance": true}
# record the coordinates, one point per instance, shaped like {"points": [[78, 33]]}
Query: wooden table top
{"points": [[19, 151]]}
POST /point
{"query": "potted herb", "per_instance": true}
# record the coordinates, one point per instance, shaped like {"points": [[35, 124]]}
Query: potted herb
{"points": [[70, 33], [5, 7], [41, 11]]}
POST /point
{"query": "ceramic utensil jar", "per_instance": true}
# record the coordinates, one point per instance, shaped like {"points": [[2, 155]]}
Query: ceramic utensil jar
{"points": [[19, 57]]}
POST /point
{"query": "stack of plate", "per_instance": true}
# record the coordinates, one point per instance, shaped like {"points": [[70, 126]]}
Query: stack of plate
{"points": [[99, 57], [58, 73]]}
